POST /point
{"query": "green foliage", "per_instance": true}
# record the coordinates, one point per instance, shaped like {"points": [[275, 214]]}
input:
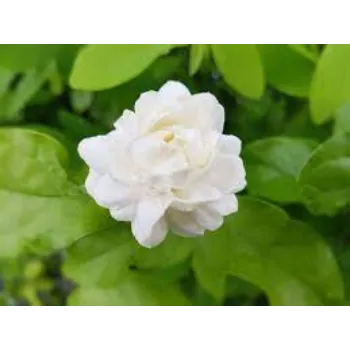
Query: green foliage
{"points": [[99, 67], [58, 247], [273, 165], [331, 83], [260, 244], [19, 58], [325, 178], [287, 70], [241, 68], [197, 55]]}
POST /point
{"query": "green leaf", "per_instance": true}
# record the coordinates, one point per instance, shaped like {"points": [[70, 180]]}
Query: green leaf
{"points": [[81, 100], [172, 251], [19, 58], [211, 260], [241, 68], [261, 245], [99, 263], [287, 70], [65, 59], [133, 290], [240, 292], [3, 300], [342, 119], [299, 124], [27, 87], [6, 77], [101, 258], [77, 127], [55, 81], [42, 208], [331, 82], [273, 165], [344, 262], [305, 50], [99, 67], [325, 179], [197, 55]]}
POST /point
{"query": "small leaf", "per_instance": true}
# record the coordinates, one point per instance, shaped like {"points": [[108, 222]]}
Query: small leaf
{"points": [[55, 81], [241, 68], [81, 100], [197, 55], [100, 67], [331, 83], [287, 70], [273, 165], [20, 58], [325, 179]]}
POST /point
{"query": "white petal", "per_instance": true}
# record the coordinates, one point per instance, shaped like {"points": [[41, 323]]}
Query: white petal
{"points": [[120, 164], [91, 182], [176, 164], [227, 173], [124, 213], [195, 194], [230, 144], [173, 90], [204, 111], [128, 123], [157, 157], [198, 145], [108, 192], [147, 103], [207, 218], [95, 152], [226, 205], [149, 226], [184, 223]]}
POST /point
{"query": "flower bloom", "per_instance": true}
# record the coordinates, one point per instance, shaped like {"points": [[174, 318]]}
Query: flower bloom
{"points": [[166, 165]]}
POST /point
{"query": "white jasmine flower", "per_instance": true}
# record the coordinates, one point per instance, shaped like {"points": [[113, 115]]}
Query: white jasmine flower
{"points": [[166, 165]]}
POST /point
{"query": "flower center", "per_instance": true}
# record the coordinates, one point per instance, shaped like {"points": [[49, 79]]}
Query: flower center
{"points": [[169, 136]]}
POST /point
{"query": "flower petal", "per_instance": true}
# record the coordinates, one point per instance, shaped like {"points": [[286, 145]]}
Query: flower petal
{"points": [[184, 223], [108, 192], [95, 152], [226, 205], [203, 111], [91, 181], [156, 156], [147, 103], [194, 194], [208, 218], [173, 90], [126, 213], [229, 144], [149, 226], [226, 174], [128, 123]]}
